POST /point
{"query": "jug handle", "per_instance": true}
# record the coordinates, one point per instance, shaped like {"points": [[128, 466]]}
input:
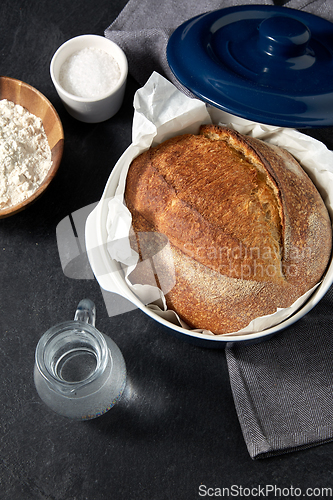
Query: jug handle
{"points": [[86, 312]]}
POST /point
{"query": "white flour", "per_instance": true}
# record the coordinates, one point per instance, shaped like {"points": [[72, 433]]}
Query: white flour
{"points": [[25, 154]]}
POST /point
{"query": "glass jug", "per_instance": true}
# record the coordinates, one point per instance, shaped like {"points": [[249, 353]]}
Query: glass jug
{"points": [[79, 372]]}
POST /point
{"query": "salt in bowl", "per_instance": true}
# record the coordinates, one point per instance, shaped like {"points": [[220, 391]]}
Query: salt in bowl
{"points": [[89, 73]]}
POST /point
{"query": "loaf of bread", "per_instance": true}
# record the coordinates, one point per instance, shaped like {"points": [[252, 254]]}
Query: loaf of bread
{"points": [[248, 231]]}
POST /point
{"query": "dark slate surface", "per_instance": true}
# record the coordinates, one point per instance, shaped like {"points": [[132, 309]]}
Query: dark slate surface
{"points": [[176, 428]]}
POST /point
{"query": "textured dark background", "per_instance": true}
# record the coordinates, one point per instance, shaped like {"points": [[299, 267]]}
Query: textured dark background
{"points": [[177, 427]]}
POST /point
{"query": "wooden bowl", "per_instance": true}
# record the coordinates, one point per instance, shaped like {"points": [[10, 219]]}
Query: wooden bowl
{"points": [[37, 104]]}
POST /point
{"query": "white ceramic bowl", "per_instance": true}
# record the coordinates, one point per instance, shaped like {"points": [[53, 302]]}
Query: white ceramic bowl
{"points": [[85, 109], [110, 276]]}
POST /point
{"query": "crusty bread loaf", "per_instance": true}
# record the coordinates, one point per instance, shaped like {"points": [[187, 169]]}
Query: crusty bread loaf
{"points": [[248, 231]]}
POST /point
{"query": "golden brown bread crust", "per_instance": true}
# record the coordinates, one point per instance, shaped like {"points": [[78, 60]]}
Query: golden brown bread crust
{"points": [[248, 230]]}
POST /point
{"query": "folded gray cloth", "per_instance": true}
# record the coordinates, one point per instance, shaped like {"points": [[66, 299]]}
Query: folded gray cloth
{"points": [[283, 387]]}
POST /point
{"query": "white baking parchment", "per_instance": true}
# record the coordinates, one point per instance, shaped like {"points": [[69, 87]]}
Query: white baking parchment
{"points": [[162, 111]]}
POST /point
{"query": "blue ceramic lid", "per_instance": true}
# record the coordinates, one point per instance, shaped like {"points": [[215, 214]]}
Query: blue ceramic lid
{"points": [[265, 63]]}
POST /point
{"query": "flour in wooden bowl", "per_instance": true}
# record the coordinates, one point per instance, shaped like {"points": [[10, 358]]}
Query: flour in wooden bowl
{"points": [[25, 154]]}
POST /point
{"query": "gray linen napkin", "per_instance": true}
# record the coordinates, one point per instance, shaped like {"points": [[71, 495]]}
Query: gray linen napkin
{"points": [[282, 388]]}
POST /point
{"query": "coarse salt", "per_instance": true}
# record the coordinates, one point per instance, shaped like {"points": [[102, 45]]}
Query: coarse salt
{"points": [[89, 72], [25, 154]]}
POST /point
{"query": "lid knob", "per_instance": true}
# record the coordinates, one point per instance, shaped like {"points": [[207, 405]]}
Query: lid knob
{"points": [[283, 36]]}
